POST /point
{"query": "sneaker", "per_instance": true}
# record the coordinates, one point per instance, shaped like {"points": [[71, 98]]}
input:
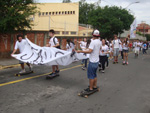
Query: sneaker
{"points": [[127, 63], [83, 68], [114, 62], [57, 71], [103, 71], [87, 89], [100, 69], [52, 74], [107, 67], [22, 71], [123, 62]]}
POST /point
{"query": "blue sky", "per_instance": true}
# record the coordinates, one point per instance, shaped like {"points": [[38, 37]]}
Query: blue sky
{"points": [[140, 10]]}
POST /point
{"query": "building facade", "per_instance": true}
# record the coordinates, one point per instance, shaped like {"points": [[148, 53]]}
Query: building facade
{"points": [[143, 28], [62, 17]]}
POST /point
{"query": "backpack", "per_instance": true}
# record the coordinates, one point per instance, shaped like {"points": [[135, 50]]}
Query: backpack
{"points": [[114, 41], [55, 43]]}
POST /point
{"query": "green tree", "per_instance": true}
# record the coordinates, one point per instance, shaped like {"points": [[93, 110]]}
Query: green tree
{"points": [[110, 20], [84, 9], [15, 15], [66, 1]]}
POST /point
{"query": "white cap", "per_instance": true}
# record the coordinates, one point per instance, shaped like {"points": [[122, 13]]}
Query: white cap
{"points": [[96, 33]]}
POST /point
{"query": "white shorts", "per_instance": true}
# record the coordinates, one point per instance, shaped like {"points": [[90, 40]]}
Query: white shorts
{"points": [[136, 51]]}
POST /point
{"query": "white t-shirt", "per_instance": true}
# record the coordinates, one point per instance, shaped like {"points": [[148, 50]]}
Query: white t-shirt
{"points": [[116, 43], [20, 45], [137, 44], [95, 46], [103, 50], [83, 45], [71, 47], [125, 47], [51, 41]]}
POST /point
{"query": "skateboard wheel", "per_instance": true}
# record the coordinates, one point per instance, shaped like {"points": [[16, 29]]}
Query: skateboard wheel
{"points": [[79, 94], [86, 96]]}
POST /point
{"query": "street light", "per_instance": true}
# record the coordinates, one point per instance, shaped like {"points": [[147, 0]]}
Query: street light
{"points": [[132, 3]]}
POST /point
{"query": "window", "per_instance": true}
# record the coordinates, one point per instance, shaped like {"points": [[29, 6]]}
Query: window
{"points": [[73, 33], [43, 13], [53, 13], [73, 12], [68, 12], [49, 13], [59, 13], [57, 32], [56, 13], [46, 13], [65, 32], [39, 14], [65, 12]]}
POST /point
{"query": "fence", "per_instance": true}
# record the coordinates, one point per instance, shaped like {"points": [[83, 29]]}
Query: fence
{"points": [[7, 41]]}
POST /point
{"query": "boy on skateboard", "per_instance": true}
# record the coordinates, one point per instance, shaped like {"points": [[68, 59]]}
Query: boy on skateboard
{"points": [[93, 50], [20, 44], [53, 42]]}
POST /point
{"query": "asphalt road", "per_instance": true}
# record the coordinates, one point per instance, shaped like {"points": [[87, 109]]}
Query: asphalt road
{"points": [[124, 89]]}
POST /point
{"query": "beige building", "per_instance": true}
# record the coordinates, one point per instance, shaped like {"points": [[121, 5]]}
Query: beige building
{"points": [[62, 17], [85, 30]]}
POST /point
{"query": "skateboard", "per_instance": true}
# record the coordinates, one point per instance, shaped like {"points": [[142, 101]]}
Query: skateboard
{"points": [[51, 77], [27, 72], [85, 94]]}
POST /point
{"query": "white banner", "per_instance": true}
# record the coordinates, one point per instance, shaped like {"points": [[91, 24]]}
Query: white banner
{"points": [[133, 29], [37, 55]]}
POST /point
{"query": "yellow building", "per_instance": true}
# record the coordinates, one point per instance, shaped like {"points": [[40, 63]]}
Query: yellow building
{"points": [[62, 17]]}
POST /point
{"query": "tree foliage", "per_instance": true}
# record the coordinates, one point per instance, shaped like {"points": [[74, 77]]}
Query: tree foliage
{"points": [[66, 1], [15, 15], [109, 20]]}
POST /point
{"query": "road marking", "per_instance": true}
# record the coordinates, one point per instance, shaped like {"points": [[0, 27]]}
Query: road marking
{"points": [[28, 78], [9, 66]]}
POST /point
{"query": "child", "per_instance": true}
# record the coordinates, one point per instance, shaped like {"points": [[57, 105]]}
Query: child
{"points": [[20, 44]]}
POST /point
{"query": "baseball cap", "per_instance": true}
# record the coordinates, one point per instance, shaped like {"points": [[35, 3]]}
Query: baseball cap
{"points": [[96, 33]]}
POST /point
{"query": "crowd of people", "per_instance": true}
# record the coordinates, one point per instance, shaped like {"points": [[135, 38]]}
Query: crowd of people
{"points": [[98, 50]]}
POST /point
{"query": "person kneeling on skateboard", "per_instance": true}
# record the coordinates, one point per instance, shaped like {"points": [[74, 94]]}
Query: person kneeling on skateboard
{"points": [[93, 50], [20, 44]]}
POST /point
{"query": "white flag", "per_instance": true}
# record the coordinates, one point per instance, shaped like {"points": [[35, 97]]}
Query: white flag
{"points": [[133, 29]]}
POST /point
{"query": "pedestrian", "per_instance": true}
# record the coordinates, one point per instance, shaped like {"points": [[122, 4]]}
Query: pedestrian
{"points": [[115, 46], [70, 46], [53, 42], [137, 48], [103, 55], [121, 50], [144, 48], [111, 50], [20, 44], [94, 49], [125, 46], [83, 47], [86, 49], [108, 54]]}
